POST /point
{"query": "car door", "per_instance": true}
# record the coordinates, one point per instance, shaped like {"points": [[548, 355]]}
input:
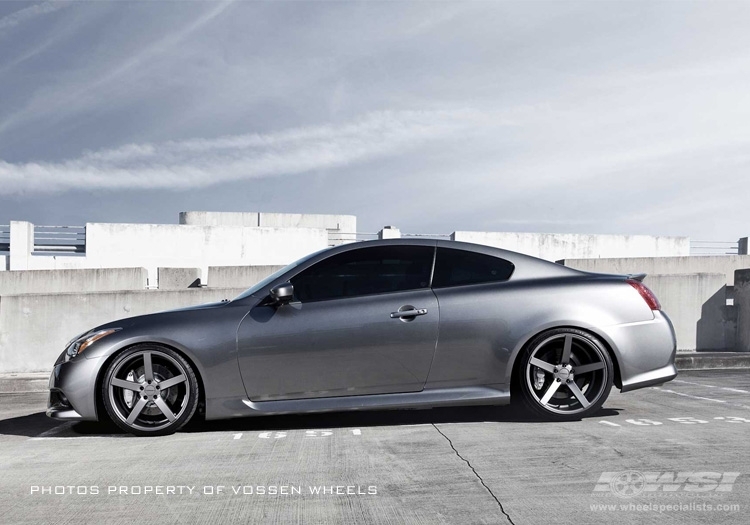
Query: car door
{"points": [[343, 334]]}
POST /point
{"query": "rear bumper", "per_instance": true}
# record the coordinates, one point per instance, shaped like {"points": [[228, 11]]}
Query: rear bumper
{"points": [[72, 390], [645, 351]]}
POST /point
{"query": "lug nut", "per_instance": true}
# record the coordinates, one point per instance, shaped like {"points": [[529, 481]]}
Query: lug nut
{"points": [[155, 397], [558, 379], [157, 387], [141, 388]]}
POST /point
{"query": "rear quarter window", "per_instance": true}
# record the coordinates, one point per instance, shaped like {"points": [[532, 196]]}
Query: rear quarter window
{"points": [[460, 267]]}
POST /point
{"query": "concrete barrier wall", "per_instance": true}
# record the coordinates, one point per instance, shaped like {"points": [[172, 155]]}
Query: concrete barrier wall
{"points": [[742, 307], [238, 276], [343, 223], [77, 281], [34, 328], [179, 278], [696, 304], [556, 246], [171, 245], [726, 264]]}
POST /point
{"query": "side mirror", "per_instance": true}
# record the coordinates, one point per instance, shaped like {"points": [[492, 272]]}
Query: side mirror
{"points": [[282, 294]]}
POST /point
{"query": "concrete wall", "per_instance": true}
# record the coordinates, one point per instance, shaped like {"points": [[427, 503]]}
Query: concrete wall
{"points": [[697, 306], [238, 276], [172, 245], [342, 223], [4, 262], [88, 280], [179, 278], [35, 328], [726, 264], [742, 307], [556, 246]]}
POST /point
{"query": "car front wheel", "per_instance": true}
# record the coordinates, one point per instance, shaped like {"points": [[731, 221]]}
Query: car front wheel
{"points": [[150, 390], [565, 374]]}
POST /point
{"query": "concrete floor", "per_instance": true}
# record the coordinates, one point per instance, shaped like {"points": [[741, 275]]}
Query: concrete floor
{"points": [[465, 465]]}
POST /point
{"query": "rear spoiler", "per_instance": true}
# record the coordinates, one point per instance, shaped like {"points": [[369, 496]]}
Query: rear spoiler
{"points": [[637, 276]]}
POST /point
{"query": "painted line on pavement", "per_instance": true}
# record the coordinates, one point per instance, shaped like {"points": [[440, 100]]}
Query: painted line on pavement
{"points": [[737, 390]]}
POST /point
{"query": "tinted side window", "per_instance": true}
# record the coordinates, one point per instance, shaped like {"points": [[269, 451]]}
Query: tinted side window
{"points": [[459, 267], [366, 271]]}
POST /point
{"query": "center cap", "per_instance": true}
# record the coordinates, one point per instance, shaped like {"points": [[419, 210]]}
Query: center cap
{"points": [[563, 373], [149, 390]]}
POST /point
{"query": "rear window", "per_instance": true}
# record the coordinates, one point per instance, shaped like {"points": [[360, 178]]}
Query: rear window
{"points": [[459, 267]]}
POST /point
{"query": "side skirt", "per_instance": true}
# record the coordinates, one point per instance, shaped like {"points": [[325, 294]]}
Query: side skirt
{"points": [[423, 399]]}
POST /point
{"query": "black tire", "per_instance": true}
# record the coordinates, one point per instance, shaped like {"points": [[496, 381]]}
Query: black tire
{"points": [[549, 390], [130, 386]]}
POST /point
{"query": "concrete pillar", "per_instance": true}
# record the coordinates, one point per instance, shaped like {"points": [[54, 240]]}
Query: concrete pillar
{"points": [[21, 244], [742, 307], [389, 232], [742, 246]]}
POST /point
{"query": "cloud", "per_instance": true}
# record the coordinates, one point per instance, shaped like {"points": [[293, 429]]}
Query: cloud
{"points": [[28, 13], [199, 163]]}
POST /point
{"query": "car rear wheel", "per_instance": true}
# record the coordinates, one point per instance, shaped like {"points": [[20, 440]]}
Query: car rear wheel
{"points": [[565, 374], [150, 390]]}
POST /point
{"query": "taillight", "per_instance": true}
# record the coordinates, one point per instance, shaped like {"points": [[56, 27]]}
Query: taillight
{"points": [[647, 294]]}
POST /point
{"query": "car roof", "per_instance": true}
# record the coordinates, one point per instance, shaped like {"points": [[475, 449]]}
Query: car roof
{"points": [[526, 265]]}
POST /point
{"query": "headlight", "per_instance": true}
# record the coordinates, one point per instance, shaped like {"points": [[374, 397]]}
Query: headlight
{"points": [[78, 345]]}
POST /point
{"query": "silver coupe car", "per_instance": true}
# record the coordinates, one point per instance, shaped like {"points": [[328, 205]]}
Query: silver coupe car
{"points": [[381, 324]]}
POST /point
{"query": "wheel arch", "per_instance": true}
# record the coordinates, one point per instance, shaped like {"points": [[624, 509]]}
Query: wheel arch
{"points": [[512, 370], [101, 412]]}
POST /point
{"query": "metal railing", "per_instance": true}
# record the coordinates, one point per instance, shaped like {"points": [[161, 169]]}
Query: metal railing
{"points": [[336, 237], [4, 239], [442, 236], [59, 240], [714, 247]]}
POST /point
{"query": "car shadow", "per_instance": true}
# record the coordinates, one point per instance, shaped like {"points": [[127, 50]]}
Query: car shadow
{"points": [[39, 425]]}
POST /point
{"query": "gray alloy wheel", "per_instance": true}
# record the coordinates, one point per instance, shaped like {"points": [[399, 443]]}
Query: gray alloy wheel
{"points": [[150, 390], [565, 374]]}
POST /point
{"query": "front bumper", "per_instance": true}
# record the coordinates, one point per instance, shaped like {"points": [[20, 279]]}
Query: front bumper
{"points": [[72, 386], [645, 351]]}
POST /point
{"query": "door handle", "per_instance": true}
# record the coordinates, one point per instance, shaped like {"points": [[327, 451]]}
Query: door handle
{"points": [[408, 313]]}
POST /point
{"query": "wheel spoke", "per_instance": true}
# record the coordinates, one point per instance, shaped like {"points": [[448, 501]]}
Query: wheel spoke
{"points": [[550, 392], [588, 368], [148, 369], [566, 349], [127, 385], [164, 408], [172, 381], [544, 365], [573, 387], [136, 410]]}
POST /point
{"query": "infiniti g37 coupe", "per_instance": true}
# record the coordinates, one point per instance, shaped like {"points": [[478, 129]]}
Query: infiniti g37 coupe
{"points": [[381, 324]]}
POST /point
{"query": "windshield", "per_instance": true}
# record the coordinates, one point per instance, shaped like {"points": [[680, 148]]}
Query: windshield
{"points": [[275, 275]]}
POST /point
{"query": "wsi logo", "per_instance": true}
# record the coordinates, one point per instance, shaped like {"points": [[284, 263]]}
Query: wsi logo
{"points": [[631, 483]]}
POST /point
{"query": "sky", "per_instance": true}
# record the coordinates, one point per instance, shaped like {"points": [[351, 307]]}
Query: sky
{"points": [[588, 117]]}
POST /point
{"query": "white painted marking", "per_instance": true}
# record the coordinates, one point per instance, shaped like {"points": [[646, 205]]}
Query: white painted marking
{"points": [[609, 423], [59, 429], [356, 432], [644, 422], [720, 417], [692, 383], [238, 436], [318, 433], [687, 420], [688, 395], [737, 390]]}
